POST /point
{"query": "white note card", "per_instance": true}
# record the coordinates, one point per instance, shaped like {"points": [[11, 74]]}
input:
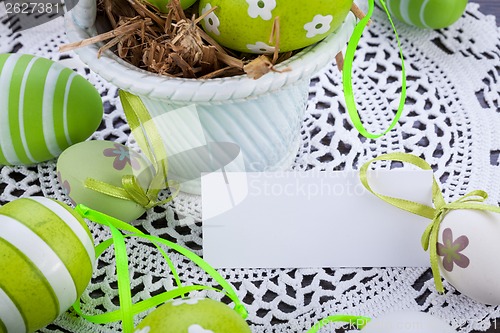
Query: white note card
{"points": [[312, 219]]}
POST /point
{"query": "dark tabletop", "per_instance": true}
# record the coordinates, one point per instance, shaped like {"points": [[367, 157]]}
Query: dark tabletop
{"points": [[489, 7]]}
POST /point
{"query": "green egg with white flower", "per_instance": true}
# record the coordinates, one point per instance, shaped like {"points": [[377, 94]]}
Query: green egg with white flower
{"points": [[106, 162], [247, 25], [44, 108], [193, 315], [47, 258], [433, 14]]}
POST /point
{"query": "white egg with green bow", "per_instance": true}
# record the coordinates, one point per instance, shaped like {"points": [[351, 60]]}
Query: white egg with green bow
{"points": [[462, 240], [47, 258], [468, 245], [44, 108]]}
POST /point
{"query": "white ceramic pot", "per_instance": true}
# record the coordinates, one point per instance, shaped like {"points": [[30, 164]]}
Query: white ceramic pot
{"points": [[263, 117]]}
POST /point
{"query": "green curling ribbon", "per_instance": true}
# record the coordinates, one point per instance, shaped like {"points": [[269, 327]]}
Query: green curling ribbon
{"points": [[356, 321], [150, 141], [127, 308], [347, 74], [473, 200]]}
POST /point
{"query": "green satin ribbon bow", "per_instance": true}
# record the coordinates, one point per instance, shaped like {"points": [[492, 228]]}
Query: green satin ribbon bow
{"points": [[347, 74], [473, 200], [131, 191], [148, 138], [354, 322], [127, 309]]}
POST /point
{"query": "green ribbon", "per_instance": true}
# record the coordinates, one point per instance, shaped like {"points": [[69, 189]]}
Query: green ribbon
{"points": [[356, 321], [127, 309], [347, 74], [473, 200], [148, 138], [131, 191]]}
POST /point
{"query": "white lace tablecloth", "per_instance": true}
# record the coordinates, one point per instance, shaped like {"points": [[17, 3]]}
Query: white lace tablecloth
{"points": [[452, 119]]}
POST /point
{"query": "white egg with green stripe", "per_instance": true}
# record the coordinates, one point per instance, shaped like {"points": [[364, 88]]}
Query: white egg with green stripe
{"points": [[432, 14], [47, 258], [44, 108]]}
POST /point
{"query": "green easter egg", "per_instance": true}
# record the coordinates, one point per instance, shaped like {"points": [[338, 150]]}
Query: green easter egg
{"points": [[246, 25], [108, 162], [162, 4], [193, 315], [433, 14], [47, 258], [44, 108]]}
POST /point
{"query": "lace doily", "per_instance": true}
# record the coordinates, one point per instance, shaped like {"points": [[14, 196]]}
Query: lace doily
{"points": [[451, 119]]}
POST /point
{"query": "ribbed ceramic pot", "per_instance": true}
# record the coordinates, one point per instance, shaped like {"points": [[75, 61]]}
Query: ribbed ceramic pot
{"points": [[263, 117]]}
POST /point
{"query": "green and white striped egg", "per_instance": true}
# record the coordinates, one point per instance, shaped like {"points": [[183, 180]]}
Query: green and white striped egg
{"points": [[46, 259], [44, 108], [433, 14]]}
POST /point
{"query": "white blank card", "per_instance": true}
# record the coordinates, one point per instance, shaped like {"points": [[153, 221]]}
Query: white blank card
{"points": [[312, 219]]}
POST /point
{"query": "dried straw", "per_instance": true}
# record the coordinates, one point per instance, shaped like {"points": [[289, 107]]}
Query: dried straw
{"points": [[175, 45]]}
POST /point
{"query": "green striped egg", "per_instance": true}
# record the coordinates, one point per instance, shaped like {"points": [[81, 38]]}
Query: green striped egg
{"points": [[44, 108], [47, 258], [433, 14]]}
